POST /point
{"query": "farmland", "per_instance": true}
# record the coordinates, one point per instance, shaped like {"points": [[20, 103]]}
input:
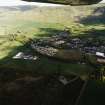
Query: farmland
{"points": [[19, 24]]}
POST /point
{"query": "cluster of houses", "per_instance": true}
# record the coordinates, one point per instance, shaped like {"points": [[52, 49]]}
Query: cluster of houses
{"points": [[66, 42], [98, 51]]}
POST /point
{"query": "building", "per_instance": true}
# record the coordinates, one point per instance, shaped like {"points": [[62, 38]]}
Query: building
{"points": [[100, 54]]}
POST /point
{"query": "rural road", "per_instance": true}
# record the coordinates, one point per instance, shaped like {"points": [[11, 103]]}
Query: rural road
{"points": [[19, 2]]}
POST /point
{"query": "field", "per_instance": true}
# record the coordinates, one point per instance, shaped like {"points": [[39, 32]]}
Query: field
{"points": [[19, 24]]}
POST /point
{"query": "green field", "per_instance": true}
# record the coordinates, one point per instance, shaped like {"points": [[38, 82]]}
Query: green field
{"points": [[19, 24], [43, 21]]}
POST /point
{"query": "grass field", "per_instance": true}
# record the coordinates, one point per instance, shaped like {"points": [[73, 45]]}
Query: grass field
{"points": [[19, 24], [42, 21]]}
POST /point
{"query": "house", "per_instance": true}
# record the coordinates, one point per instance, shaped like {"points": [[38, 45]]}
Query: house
{"points": [[100, 57], [100, 54], [101, 60]]}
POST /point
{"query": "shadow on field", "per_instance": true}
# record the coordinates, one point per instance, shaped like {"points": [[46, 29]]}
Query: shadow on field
{"points": [[94, 33], [48, 32], [97, 17]]}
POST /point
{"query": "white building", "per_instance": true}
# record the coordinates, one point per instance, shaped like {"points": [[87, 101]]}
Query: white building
{"points": [[100, 54]]}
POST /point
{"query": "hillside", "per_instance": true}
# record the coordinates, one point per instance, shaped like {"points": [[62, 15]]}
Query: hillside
{"points": [[19, 24]]}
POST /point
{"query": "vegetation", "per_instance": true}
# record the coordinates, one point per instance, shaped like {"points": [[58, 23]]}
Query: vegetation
{"points": [[94, 93], [19, 28], [23, 25]]}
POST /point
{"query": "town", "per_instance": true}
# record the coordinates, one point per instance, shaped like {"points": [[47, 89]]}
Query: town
{"points": [[50, 45]]}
